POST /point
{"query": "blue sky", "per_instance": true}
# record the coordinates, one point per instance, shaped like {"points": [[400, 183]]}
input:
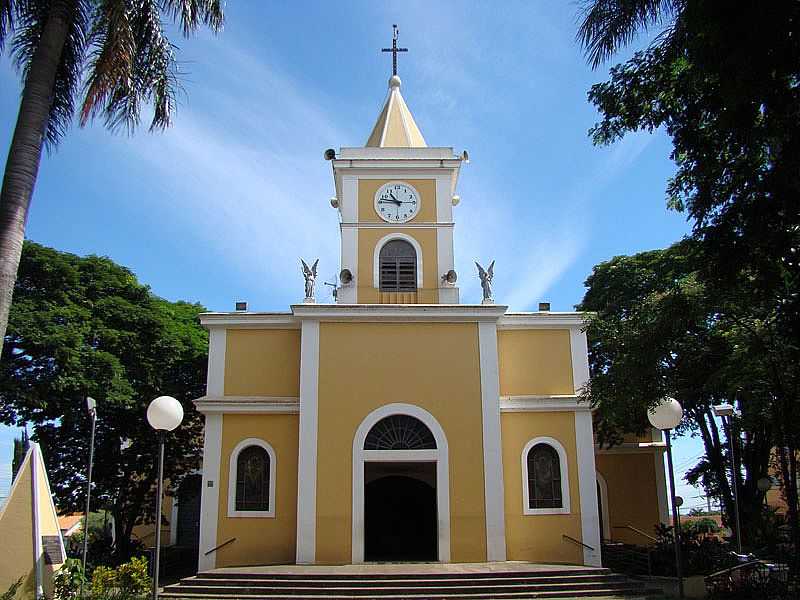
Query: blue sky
{"points": [[220, 207]]}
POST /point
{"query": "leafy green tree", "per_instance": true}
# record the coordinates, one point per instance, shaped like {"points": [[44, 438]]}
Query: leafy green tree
{"points": [[655, 332], [20, 449], [85, 326], [721, 80], [117, 51]]}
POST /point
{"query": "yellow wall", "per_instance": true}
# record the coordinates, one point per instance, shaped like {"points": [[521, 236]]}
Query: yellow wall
{"points": [[538, 537], [632, 494], [366, 199], [534, 362], [369, 238], [16, 533], [262, 362], [356, 362], [260, 540]]}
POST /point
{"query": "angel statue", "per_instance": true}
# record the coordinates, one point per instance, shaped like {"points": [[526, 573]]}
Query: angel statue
{"points": [[311, 278], [486, 282]]}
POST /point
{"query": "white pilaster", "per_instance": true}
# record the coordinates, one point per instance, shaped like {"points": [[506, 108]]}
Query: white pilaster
{"points": [[349, 199], [492, 451], [307, 459], [587, 486], [347, 293], [215, 380], [580, 357], [209, 499], [661, 487]]}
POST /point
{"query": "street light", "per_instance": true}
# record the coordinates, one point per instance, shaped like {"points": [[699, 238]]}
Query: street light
{"points": [[726, 412], [164, 414], [91, 407], [666, 417]]}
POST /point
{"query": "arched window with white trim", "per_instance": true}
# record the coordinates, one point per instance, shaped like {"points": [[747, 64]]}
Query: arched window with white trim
{"points": [[398, 267], [251, 480], [545, 477]]}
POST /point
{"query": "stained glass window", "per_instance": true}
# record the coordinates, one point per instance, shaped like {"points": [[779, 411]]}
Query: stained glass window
{"points": [[252, 479], [544, 477]]}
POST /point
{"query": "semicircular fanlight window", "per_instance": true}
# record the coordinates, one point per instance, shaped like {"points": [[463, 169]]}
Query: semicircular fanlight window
{"points": [[400, 432]]}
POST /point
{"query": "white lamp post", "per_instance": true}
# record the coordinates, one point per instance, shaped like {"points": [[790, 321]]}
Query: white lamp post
{"points": [[726, 412], [91, 407], [164, 414], [666, 417]]}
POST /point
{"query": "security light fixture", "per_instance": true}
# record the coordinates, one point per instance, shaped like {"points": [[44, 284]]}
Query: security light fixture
{"points": [[241, 306], [544, 307], [724, 410]]}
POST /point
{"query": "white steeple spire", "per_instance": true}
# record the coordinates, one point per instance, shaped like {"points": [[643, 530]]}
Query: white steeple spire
{"points": [[395, 127]]}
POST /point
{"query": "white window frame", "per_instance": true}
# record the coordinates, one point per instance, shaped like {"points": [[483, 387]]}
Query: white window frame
{"points": [[376, 257], [563, 464], [232, 512]]}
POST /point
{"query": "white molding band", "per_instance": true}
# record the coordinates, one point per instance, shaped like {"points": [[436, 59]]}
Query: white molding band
{"points": [[493, 489], [564, 466], [209, 499], [587, 488], [233, 470], [307, 458], [566, 403], [601, 483], [440, 456], [400, 313], [252, 405], [376, 255], [661, 488], [215, 381]]}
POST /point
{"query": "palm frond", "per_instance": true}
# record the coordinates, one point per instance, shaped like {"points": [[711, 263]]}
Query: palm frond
{"points": [[609, 25], [190, 14], [134, 62], [6, 20]]}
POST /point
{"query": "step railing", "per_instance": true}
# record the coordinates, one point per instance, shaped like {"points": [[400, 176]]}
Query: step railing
{"points": [[637, 531], [564, 536], [222, 545]]}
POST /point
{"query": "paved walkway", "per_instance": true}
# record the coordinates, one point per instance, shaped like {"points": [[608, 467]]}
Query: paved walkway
{"points": [[409, 568]]}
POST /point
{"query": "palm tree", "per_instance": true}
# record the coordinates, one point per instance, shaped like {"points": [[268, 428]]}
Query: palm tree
{"points": [[110, 57]]}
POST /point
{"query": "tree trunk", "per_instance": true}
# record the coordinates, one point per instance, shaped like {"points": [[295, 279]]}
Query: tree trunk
{"points": [[24, 154]]}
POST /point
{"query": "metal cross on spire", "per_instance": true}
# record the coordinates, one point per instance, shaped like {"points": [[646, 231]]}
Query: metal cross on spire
{"points": [[394, 49]]}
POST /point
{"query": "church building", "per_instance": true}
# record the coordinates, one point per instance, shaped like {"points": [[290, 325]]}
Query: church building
{"points": [[398, 424]]}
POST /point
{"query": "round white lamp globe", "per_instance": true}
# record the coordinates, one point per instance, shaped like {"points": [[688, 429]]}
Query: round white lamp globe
{"points": [[666, 415], [165, 413]]}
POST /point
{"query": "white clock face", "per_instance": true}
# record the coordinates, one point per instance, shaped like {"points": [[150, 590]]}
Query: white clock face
{"points": [[397, 202]]}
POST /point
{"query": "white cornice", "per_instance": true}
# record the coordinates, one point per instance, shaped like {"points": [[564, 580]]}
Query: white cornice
{"points": [[247, 404], [380, 153], [568, 403], [245, 320], [403, 313], [532, 320]]}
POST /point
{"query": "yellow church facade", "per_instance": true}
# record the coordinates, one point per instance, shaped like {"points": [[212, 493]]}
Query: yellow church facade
{"points": [[398, 424]]}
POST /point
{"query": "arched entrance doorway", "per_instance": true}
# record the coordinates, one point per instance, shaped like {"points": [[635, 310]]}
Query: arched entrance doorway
{"points": [[400, 512], [401, 505]]}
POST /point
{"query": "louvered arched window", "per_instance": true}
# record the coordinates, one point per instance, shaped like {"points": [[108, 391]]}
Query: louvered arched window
{"points": [[398, 267], [400, 432]]}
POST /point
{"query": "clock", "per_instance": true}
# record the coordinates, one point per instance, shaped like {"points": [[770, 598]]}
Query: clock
{"points": [[397, 202]]}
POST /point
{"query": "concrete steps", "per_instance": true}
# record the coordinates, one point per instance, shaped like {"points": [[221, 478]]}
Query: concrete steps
{"points": [[513, 584]]}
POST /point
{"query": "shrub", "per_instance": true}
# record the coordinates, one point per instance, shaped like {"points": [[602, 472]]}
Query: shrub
{"points": [[68, 579], [128, 580]]}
